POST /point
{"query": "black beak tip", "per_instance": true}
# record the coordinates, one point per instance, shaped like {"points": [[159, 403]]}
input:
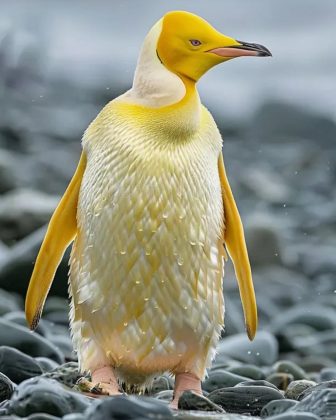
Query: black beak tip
{"points": [[260, 49]]}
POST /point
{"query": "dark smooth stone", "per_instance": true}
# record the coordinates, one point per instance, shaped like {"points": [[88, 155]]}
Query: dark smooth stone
{"points": [[277, 407], [319, 317], [263, 350], [160, 383], [56, 304], [260, 382], [68, 374], [286, 366], [22, 211], [8, 303], [244, 399], [318, 387], [165, 395], [74, 416], [47, 396], [64, 344], [46, 364], [280, 380], [17, 267], [6, 387], [128, 408], [248, 371], [295, 416], [42, 416], [189, 400], [17, 365], [58, 317], [321, 402], [19, 317], [221, 379], [328, 374], [296, 388], [23, 339]]}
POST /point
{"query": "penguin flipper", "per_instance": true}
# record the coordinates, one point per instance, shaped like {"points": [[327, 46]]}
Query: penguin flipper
{"points": [[234, 240], [61, 232]]}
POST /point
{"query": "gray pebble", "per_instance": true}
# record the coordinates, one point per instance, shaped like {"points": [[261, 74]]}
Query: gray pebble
{"points": [[46, 364], [260, 382], [249, 371], [277, 407], [296, 388], [47, 396], [286, 366], [17, 365], [220, 378], [328, 374], [294, 416], [67, 374], [8, 303], [130, 408], [23, 339], [6, 387], [321, 402], [165, 395], [189, 400], [160, 383], [318, 387], [263, 350], [244, 399]]}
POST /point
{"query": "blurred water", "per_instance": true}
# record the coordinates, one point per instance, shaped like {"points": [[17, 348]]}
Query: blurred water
{"points": [[97, 44]]}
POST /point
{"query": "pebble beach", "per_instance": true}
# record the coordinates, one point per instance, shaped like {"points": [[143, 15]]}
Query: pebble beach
{"points": [[281, 162]]}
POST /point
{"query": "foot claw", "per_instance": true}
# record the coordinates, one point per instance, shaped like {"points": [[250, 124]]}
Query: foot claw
{"points": [[95, 389]]}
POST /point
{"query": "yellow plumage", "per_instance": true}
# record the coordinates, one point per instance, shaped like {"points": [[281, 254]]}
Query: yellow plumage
{"points": [[149, 209]]}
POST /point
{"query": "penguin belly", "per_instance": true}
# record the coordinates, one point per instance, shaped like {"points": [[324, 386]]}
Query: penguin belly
{"points": [[147, 264]]}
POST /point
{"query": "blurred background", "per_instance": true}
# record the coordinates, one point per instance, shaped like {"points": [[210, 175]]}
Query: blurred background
{"points": [[60, 62]]}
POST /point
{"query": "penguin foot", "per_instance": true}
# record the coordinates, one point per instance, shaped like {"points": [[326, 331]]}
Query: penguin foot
{"points": [[103, 382], [185, 382]]}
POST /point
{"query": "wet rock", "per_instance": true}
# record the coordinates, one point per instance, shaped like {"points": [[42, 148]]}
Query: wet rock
{"points": [[276, 407], [6, 387], [220, 378], [295, 416], [64, 344], [68, 374], [260, 382], [263, 242], [16, 268], [8, 171], [280, 380], [17, 365], [296, 388], [328, 374], [56, 304], [47, 396], [13, 335], [319, 317], [263, 350], [286, 366], [277, 121], [160, 383], [41, 416], [8, 303], [244, 399], [165, 395], [189, 400], [248, 371], [24, 211], [323, 385], [46, 364], [321, 402], [128, 408], [19, 317]]}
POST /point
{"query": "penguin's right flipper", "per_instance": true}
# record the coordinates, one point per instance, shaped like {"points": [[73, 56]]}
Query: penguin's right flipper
{"points": [[61, 232]]}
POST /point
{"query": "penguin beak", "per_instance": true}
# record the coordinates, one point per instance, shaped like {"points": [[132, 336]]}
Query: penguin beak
{"points": [[242, 49]]}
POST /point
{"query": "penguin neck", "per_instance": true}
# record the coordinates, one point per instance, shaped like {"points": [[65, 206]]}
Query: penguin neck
{"points": [[155, 86]]}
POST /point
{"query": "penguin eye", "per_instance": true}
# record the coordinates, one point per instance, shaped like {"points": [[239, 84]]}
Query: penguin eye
{"points": [[195, 42]]}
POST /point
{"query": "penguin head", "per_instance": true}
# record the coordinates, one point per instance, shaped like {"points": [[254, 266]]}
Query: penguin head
{"points": [[189, 46]]}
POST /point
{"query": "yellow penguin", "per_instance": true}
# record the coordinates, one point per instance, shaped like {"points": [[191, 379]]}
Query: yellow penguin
{"points": [[149, 210]]}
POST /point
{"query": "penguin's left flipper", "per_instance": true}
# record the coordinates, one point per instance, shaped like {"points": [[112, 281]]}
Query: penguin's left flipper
{"points": [[234, 240], [61, 232]]}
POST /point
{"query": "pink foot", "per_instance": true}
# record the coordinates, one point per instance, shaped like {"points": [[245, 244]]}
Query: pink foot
{"points": [[185, 382], [103, 382]]}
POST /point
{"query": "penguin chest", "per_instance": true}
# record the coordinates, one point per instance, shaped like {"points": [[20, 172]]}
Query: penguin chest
{"points": [[147, 260]]}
